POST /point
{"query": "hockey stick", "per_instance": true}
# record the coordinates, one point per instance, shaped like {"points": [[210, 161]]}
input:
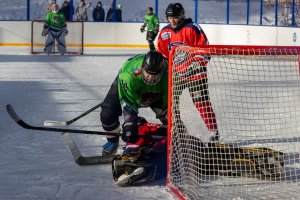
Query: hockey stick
{"points": [[25, 125], [81, 159], [66, 123]]}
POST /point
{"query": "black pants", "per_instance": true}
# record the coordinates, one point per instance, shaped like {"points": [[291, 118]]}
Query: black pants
{"points": [[111, 108], [150, 36]]}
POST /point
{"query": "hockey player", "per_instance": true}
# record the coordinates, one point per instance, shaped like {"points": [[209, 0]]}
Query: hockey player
{"points": [[182, 31], [151, 21], [141, 82], [145, 160], [56, 28]]}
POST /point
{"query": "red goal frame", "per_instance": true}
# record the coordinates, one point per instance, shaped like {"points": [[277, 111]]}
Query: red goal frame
{"points": [[210, 50]]}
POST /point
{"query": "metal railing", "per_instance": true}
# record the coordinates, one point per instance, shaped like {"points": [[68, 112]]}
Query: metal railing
{"points": [[248, 12]]}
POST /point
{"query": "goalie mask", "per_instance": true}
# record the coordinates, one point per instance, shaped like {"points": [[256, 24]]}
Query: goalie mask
{"points": [[153, 67], [55, 8]]}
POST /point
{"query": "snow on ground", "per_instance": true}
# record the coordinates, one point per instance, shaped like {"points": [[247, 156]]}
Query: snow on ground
{"points": [[37, 165]]}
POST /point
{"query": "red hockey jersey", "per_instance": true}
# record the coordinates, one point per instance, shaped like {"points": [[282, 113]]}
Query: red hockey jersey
{"points": [[188, 34]]}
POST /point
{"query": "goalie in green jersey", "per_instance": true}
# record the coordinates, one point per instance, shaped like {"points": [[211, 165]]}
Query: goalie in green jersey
{"points": [[55, 28], [151, 21], [141, 82]]}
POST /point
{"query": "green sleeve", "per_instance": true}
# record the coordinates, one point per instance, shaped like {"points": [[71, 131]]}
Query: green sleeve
{"points": [[47, 19], [128, 91]]}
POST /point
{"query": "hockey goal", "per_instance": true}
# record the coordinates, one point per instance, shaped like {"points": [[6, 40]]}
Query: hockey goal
{"points": [[74, 39], [254, 97]]}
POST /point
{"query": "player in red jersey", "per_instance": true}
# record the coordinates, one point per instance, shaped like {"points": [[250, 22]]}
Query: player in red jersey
{"points": [[182, 31]]}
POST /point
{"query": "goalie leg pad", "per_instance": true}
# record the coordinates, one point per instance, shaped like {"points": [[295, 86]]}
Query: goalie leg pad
{"points": [[263, 163], [49, 43], [133, 169], [222, 159], [61, 43]]}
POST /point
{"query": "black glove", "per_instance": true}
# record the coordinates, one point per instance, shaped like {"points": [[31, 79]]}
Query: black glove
{"points": [[162, 130], [130, 132], [142, 29]]}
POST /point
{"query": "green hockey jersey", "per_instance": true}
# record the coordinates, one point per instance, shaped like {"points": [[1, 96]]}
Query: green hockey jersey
{"points": [[135, 93], [151, 21], [55, 21]]}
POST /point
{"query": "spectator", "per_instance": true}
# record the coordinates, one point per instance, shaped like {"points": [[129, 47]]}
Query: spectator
{"points": [[66, 10], [98, 13], [81, 11], [110, 13], [49, 7], [119, 13]]}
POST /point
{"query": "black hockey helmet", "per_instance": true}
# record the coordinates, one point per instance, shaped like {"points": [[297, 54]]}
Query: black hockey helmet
{"points": [[154, 64], [175, 10]]}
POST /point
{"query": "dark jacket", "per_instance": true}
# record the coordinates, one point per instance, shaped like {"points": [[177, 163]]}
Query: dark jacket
{"points": [[109, 16], [66, 11], [119, 15], [98, 14]]}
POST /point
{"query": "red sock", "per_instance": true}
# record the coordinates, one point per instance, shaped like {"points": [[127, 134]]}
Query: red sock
{"points": [[207, 114]]}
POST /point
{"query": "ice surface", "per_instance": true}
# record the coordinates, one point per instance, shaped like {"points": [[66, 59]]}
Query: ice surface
{"points": [[37, 165]]}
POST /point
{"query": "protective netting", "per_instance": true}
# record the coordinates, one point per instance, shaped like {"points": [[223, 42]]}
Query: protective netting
{"points": [[251, 96], [74, 39]]}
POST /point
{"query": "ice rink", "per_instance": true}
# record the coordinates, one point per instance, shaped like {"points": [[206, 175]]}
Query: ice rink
{"points": [[37, 165]]}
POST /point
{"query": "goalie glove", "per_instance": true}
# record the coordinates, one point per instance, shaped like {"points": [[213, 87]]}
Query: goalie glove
{"points": [[65, 30], [45, 32]]}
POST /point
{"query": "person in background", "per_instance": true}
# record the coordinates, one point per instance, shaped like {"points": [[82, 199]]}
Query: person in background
{"points": [[55, 28], [66, 9], [151, 21], [119, 13], [109, 15], [49, 7], [98, 13], [81, 11]]}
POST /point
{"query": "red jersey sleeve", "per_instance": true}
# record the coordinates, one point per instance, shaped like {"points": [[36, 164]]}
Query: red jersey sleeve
{"points": [[163, 42]]}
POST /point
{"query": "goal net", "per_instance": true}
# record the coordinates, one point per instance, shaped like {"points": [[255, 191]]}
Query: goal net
{"points": [[74, 39], [250, 95]]}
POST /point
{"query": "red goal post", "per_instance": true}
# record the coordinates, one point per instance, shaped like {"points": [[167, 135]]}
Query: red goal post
{"points": [[74, 39], [255, 94]]}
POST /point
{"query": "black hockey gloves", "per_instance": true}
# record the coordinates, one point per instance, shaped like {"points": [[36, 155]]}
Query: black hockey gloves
{"points": [[130, 132]]}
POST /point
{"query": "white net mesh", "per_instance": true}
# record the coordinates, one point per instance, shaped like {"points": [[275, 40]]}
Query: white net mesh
{"points": [[74, 39], [251, 97]]}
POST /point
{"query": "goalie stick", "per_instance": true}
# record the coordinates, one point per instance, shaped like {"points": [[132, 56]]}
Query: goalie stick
{"points": [[66, 123], [81, 159]]}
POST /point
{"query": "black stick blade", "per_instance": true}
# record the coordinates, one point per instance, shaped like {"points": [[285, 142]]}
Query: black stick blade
{"points": [[16, 118], [12, 113]]}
